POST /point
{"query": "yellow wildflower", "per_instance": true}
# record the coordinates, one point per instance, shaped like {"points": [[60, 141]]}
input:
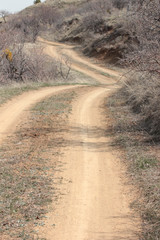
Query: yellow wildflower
{"points": [[8, 54]]}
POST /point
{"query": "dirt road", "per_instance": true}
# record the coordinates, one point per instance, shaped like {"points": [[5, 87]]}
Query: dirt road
{"points": [[96, 202], [80, 63], [96, 205], [12, 112]]}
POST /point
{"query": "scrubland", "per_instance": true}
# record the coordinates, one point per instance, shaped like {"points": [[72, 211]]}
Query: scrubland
{"points": [[123, 34]]}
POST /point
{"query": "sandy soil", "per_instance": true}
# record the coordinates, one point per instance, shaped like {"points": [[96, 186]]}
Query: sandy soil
{"points": [[96, 201], [12, 113]]}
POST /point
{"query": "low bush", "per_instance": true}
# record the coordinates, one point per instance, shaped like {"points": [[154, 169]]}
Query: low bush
{"points": [[93, 23], [142, 87], [26, 65], [142, 159], [142, 93]]}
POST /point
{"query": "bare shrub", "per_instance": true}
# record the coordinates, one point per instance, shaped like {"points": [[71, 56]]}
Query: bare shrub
{"points": [[4, 14], [28, 26], [144, 59], [31, 27], [26, 65], [43, 68], [8, 35], [71, 11], [120, 3], [4, 40], [142, 161], [47, 14], [15, 36], [64, 67], [143, 25], [93, 23], [22, 63], [101, 7], [17, 67]]}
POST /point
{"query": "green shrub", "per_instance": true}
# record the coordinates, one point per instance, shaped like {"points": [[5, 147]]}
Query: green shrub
{"points": [[37, 1]]}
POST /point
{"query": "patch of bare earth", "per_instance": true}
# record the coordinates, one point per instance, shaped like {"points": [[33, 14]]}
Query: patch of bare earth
{"points": [[29, 162]]}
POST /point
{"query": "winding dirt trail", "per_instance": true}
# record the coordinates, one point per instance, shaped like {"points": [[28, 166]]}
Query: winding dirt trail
{"points": [[80, 63], [13, 112], [96, 206], [96, 202]]}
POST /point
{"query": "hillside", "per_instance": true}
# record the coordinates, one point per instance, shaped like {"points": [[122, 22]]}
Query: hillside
{"points": [[96, 26], [91, 44]]}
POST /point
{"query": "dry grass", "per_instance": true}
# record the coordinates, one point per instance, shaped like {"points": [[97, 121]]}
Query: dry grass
{"points": [[29, 160], [141, 92], [8, 92], [143, 164]]}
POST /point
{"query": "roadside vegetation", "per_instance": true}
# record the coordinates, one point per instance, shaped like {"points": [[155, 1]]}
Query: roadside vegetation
{"points": [[136, 111], [140, 153]]}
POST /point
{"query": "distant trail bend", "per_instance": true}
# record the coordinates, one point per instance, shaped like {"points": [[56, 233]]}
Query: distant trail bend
{"points": [[80, 63]]}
